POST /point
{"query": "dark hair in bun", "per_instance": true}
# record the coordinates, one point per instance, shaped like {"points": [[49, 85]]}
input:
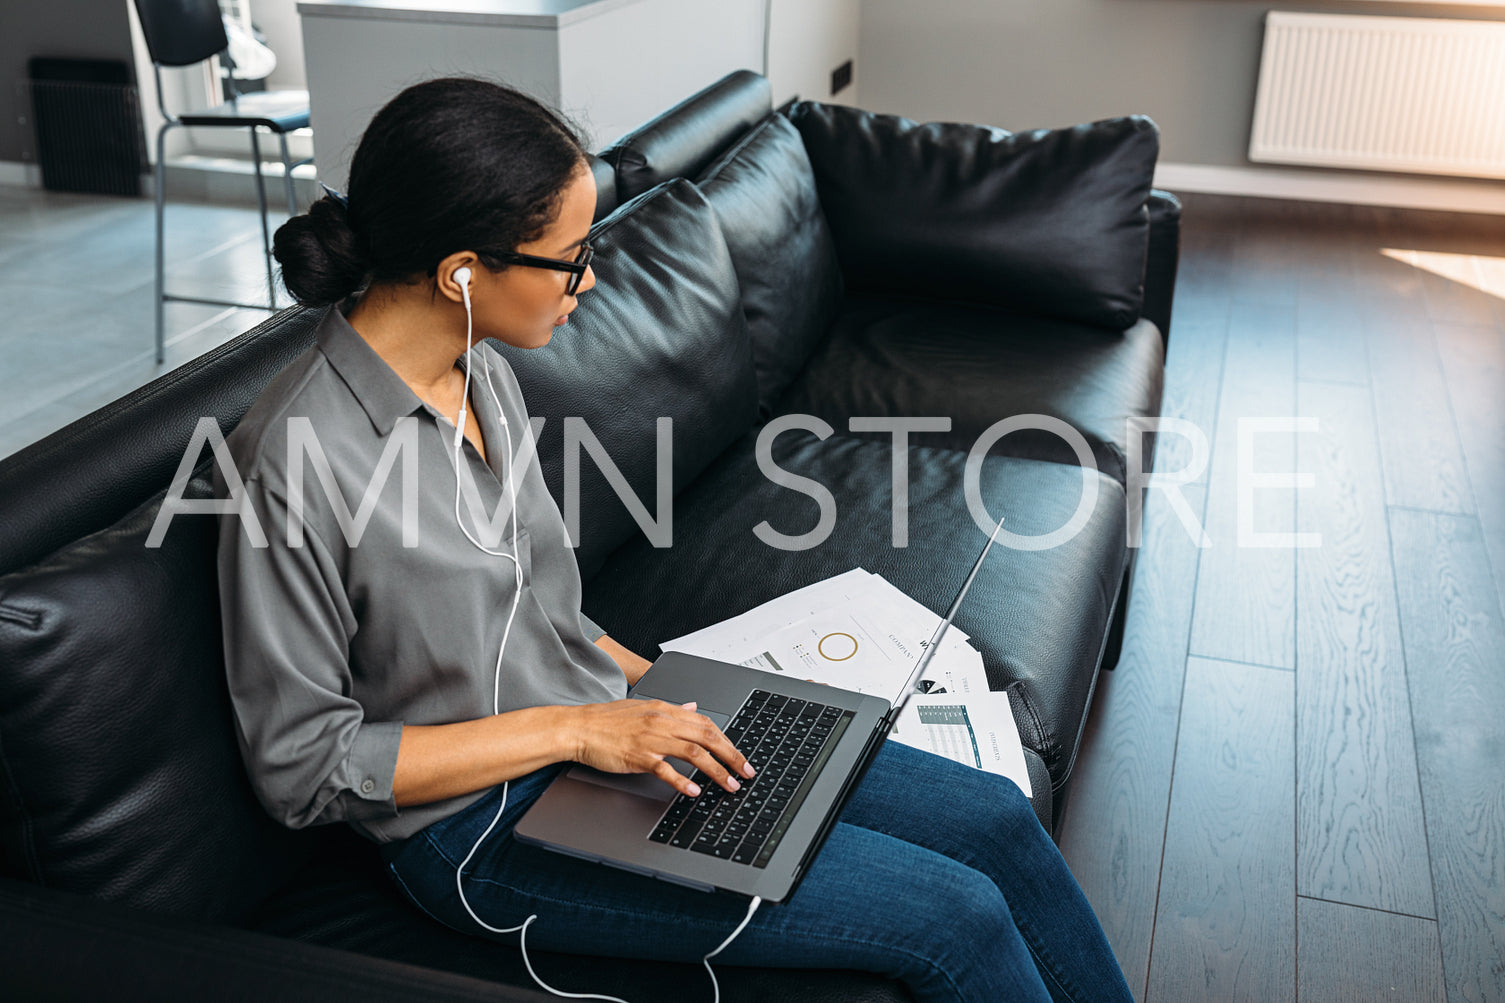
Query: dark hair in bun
{"points": [[322, 261], [448, 165]]}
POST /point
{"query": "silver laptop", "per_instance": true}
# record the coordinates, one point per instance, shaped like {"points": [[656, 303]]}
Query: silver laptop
{"points": [[810, 745]]}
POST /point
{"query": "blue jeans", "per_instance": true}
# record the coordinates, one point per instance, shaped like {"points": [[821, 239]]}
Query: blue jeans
{"points": [[937, 875]]}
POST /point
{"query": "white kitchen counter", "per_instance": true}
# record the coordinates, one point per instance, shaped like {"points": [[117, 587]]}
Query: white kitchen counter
{"points": [[507, 13], [607, 64]]}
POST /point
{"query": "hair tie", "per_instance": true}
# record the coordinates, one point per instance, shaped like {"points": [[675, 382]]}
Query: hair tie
{"points": [[343, 200]]}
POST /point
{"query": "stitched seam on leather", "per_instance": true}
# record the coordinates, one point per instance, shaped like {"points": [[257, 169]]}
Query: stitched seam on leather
{"points": [[21, 617], [33, 621], [734, 151], [144, 398], [1048, 748], [15, 614], [635, 204], [28, 829], [1118, 454]]}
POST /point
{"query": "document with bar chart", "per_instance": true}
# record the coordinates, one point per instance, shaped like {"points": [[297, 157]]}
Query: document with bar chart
{"points": [[977, 730]]}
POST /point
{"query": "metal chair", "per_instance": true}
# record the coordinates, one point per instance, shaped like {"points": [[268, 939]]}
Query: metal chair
{"points": [[184, 32]]}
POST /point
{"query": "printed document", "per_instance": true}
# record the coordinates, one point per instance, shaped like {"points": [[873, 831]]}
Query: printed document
{"points": [[976, 730], [857, 631]]}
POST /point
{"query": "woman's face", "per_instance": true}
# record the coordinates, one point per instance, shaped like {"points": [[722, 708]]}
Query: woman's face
{"points": [[522, 305]]}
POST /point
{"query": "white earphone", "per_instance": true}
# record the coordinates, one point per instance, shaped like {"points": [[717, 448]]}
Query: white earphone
{"points": [[462, 277]]}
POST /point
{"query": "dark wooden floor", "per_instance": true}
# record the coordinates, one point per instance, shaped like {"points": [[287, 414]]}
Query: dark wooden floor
{"points": [[1294, 783]]}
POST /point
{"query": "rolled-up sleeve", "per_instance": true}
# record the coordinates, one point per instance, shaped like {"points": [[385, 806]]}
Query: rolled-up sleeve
{"points": [[311, 754], [593, 631]]}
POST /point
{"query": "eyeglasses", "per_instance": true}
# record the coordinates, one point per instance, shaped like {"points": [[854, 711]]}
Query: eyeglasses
{"points": [[576, 268]]}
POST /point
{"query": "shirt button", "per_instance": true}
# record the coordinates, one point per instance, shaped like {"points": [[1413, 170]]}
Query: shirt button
{"points": [[367, 786]]}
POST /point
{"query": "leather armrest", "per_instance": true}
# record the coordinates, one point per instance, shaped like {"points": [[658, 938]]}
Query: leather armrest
{"points": [[1160, 263], [56, 945]]}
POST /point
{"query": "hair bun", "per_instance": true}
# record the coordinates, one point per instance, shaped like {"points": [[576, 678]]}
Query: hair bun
{"points": [[321, 257]]}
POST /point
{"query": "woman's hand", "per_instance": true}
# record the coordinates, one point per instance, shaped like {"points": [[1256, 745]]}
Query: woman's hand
{"points": [[634, 736]]}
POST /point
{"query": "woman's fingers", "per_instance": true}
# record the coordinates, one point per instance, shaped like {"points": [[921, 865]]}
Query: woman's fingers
{"points": [[711, 749], [675, 779], [696, 754], [722, 747]]}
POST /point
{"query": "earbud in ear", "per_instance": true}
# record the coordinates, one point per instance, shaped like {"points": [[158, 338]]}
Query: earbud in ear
{"points": [[462, 276]]}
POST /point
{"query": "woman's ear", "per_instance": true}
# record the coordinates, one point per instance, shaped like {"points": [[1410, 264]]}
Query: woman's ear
{"points": [[444, 276]]}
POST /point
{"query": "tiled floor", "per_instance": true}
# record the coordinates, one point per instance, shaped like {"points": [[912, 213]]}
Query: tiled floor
{"points": [[76, 291]]}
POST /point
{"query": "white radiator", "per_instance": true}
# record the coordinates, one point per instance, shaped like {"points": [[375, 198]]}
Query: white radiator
{"points": [[1382, 93]]}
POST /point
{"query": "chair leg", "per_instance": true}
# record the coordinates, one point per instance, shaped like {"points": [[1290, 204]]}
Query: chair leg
{"points": [[161, 198], [287, 176], [266, 234]]}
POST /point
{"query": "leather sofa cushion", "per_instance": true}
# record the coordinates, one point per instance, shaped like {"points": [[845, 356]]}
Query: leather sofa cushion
{"points": [[606, 186], [890, 355], [120, 776], [1038, 617], [763, 192], [682, 141], [662, 336], [1164, 257], [345, 900], [1050, 222]]}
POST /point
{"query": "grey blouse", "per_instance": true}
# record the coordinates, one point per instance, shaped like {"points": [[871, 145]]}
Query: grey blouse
{"points": [[383, 613]]}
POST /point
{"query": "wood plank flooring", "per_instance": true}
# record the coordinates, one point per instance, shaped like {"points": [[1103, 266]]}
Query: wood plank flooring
{"points": [[1293, 786], [1245, 594], [1402, 961], [1225, 925], [1360, 834], [1454, 642]]}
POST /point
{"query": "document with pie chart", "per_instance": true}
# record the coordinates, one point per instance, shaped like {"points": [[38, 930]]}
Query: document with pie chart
{"points": [[859, 632]]}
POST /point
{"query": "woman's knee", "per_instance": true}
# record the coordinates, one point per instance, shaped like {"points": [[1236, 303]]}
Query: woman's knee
{"points": [[967, 946]]}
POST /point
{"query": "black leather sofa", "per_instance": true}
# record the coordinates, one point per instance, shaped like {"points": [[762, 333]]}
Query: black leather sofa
{"points": [[754, 264]]}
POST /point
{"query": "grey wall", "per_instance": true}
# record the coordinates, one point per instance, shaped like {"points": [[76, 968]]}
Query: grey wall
{"points": [[88, 29], [1192, 65]]}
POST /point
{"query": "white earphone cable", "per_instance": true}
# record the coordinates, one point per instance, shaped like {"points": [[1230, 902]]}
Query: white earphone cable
{"points": [[463, 277]]}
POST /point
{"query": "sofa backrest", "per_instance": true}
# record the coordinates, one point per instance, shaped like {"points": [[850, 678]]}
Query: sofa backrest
{"points": [[763, 192], [682, 141], [606, 187], [120, 775], [119, 772], [661, 335], [1052, 222]]}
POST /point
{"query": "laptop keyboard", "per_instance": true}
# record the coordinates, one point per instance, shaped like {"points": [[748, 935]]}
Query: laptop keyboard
{"points": [[787, 740]]}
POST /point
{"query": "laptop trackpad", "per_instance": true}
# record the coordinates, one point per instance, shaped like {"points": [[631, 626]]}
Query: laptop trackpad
{"points": [[644, 784]]}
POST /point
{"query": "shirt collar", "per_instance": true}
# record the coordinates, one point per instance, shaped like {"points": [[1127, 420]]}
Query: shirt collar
{"points": [[374, 383]]}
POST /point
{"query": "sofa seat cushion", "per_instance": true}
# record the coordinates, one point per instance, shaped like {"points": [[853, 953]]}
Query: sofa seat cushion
{"points": [[977, 365], [1039, 617], [120, 776], [345, 899]]}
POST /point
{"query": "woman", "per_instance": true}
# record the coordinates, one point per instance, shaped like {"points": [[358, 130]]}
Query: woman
{"points": [[421, 670]]}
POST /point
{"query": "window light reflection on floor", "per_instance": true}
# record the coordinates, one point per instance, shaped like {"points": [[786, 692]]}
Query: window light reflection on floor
{"points": [[1476, 271]]}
